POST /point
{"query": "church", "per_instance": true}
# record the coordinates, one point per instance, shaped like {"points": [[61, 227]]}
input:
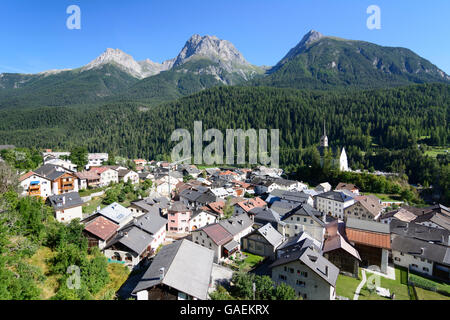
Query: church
{"points": [[342, 162]]}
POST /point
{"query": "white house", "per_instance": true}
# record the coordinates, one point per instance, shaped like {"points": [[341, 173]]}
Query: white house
{"points": [[96, 159], [334, 203], [303, 268], [201, 218], [107, 175], [128, 175], [35, 185], [67, 207]]}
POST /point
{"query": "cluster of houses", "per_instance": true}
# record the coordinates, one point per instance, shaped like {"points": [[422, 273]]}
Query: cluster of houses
{"points": [[194, 220]]}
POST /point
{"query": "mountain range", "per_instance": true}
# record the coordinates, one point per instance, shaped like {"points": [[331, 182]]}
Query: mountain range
{"points": [[317, 62]]}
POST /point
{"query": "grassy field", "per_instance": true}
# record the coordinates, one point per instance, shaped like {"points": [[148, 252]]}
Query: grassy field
{"points": [[346, 286], [385, 197], [91, 206], [423, 294], [394, 286], [248, 263], [118, 274], [39, 259], [437, 150]]}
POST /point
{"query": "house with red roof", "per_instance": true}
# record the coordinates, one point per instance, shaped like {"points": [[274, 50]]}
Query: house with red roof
{"points": [[107, 175], [249, 204], [99, 231]]}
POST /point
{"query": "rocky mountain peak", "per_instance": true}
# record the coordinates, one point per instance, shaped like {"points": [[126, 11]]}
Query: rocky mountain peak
{"points": [[209, 47], [126, 62]]}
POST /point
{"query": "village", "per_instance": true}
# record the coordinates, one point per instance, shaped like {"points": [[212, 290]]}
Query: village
{"points": [[184, 230]]}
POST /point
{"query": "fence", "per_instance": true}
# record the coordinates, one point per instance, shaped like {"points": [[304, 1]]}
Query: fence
{"points": [[94, 195], [430, 285]]}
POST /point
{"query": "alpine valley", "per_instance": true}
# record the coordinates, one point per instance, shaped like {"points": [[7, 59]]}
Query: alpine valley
{"points": [[385, 105]]}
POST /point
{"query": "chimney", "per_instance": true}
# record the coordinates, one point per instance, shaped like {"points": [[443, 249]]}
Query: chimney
{"points": [[161, 273], [326, 271], [64, 200]]}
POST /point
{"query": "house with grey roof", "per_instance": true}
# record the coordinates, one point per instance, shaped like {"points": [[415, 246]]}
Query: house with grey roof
{"points": [[224, 237], [420, 232], [334, 203], [116, 213], [289, 197], [180, 271], [303, 218], [153, 224], [262, 216], [263, 241], [423, 257], [130, 246], [304, 268], [67, 207]]}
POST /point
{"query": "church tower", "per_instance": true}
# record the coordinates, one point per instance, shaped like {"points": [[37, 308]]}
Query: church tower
{"points": [[324, 138]]}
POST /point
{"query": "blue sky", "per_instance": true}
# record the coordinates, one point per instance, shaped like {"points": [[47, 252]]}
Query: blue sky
{"points": [[35, 37]]}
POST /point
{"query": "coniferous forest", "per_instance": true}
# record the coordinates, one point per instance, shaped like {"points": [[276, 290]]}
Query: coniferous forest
{"points": [[382, 129]]}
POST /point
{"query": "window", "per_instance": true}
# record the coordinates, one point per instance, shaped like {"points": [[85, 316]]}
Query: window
{"points": [[397, 259], [304, 274], [426, 269], [282, 277], [401, 253], [291, 270], [415, 265], [301, 283], [285, 268]]}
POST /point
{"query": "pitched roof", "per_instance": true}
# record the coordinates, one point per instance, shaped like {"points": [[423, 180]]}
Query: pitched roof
{"points": [[370, 204], [181, 271], [313, 260], [346, 186], [217, 233], [123, 173], [305, 209], [133, 238], [270, 234], [435, 217], [26, 176], [338, 242], [99, 170], [422, 249], [217, 206], [368, 238], [282, 207], [236, 224], [115, 212], [335, 195], [418, 231], [252, 203], [150, 222], [50, 171], [102, 228], [366, 225], [178, 206], [265, 214], [66, 201], [88, 175]]}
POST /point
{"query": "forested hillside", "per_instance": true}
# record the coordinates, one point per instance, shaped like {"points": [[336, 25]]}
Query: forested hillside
{"points": [[372, 125]]}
